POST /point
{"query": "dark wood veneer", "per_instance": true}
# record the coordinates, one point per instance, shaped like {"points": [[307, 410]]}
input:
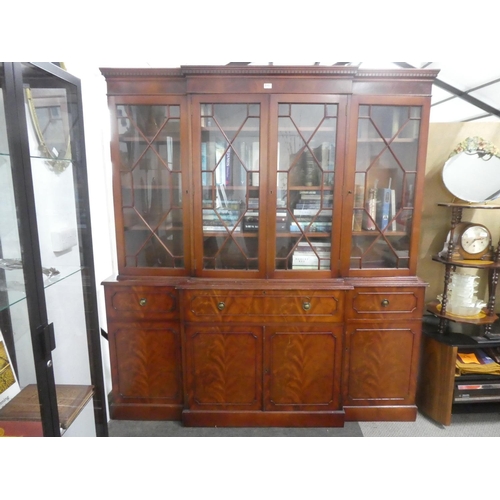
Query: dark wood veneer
{"points": [[261, 343]]}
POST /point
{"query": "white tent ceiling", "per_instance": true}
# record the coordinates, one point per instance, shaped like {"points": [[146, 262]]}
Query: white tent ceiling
{"points": [[461, 92]]}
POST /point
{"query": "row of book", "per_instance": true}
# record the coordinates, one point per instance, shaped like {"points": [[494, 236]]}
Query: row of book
{"points": [[485, 360], [376, 211], [251, 221], [306, 258], [230, 167], [312, 212], [222, 219], [238, 164]]}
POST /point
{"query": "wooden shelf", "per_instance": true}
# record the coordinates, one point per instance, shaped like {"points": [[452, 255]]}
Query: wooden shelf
{"points": [[25, 407], [433, 307], [469, 205], [474, 264]]}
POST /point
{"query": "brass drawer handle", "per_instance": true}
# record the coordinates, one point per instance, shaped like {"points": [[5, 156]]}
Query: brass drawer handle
{"points": [[306, 306], [142, 302], [221, 306], [384, 303]]}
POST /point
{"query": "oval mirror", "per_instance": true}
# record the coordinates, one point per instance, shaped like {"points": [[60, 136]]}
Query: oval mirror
{"points": [[473, 175]]}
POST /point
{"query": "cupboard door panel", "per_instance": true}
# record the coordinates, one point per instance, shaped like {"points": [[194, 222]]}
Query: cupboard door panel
{"points": [[303, 368], [381, 363], [146, 362], [224, 367]]}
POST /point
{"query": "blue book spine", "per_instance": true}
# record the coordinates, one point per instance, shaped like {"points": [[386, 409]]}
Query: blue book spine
{"points": [[383, 207]]}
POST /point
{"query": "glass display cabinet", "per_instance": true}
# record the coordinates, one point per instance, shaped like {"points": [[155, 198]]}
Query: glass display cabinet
{"points": [[267, 233], [51, 380]]}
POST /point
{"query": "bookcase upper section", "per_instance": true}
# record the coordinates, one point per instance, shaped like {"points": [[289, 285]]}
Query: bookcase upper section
{"points": [[268, 171]]}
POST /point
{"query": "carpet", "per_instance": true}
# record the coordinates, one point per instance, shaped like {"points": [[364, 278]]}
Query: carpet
{"points": [[133, 428]]}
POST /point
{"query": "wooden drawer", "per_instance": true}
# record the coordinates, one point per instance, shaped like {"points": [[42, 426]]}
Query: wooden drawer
{"points": [[270, 306], [384, 304], [142, 302]]}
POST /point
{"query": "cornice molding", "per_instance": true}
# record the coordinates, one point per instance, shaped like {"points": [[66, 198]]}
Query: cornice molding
{"points": [[328, 71]]}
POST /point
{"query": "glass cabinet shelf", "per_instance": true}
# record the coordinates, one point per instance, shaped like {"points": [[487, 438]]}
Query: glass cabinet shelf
{"points": [[16, 288]]}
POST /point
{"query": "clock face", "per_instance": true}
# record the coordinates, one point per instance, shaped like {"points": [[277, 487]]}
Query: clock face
{"points": [[475, 239]]}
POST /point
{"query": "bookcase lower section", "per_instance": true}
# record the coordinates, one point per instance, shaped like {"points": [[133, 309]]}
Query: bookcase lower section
{"points": [[264, 353]]}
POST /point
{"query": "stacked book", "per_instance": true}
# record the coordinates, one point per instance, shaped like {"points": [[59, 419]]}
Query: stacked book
{"points": [[251, 217], [220, 220], [305, 257], [313, 213], [251, 221]]}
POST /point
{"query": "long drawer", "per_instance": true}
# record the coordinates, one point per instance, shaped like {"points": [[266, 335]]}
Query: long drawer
{"points": [[258, 306]]}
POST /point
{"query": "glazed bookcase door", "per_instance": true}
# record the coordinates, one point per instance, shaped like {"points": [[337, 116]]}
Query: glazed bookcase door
{"points": [[305, 184], [148, 158], [384, 190], [230, 175]]}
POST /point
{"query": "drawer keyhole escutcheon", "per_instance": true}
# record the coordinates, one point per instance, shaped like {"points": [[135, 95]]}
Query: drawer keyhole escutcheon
{"points": [[221, 306], [142, 302], [306, 306], [385, 303]]}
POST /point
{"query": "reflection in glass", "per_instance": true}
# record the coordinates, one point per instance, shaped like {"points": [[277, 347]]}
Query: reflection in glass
{"points": [[16, 363], [386, 164], [305, 177], [149, 140], [230, 175]]}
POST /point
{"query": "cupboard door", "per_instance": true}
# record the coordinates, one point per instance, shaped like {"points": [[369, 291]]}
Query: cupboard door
{"points": [[146, 363], [230, 163], [224, 367], [303, 368], [308, 165], [381, 363], [387, 152], [149, 162]]}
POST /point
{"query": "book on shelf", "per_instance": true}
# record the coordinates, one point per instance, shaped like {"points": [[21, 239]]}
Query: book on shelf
{"points": [[221, 228], [393, 210], [370, 211], [305, 258], [325, 154], [383, 207], [9, 385], [308, 259], [493, 353], [320, 246], [313, 211], [476, 361], [253, 203], [308, 226], [358, 212]]}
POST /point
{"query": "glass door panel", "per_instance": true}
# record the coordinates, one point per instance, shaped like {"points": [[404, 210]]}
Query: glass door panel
{"points": [[230, 181], [151, 187], [58, 176], [17, 367], [305, 181], [386, 164]]}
